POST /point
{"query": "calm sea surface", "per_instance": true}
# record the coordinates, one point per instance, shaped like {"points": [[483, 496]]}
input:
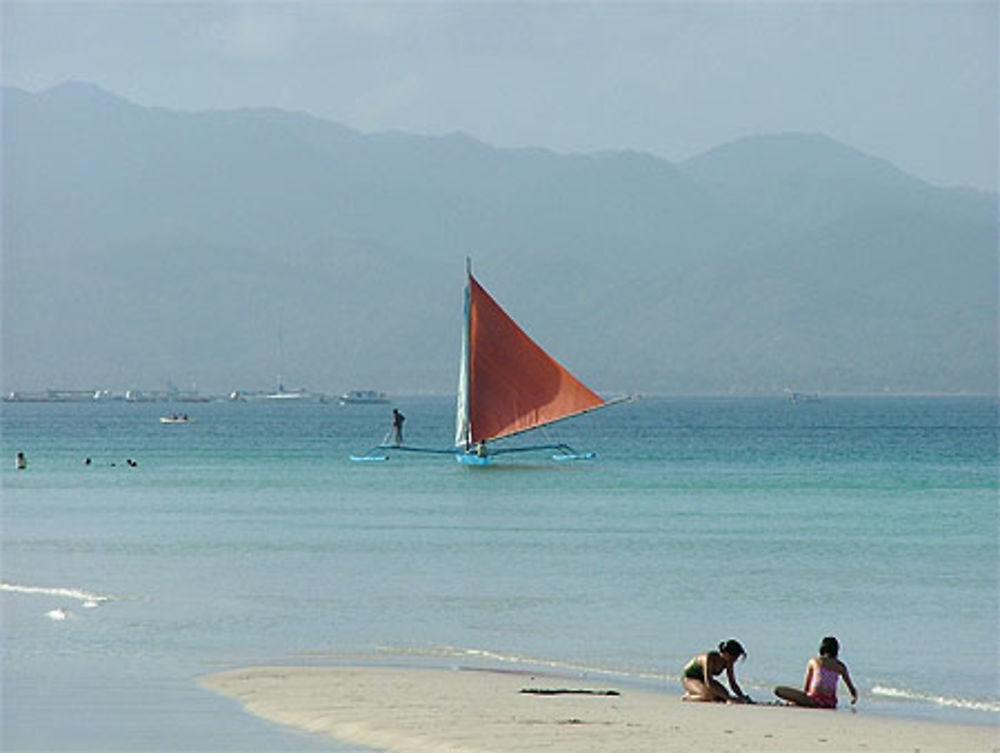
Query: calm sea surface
{"points": [[248, 537]]}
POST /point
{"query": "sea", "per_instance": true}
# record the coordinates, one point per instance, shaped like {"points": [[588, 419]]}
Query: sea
{"points": [[247, 537]]}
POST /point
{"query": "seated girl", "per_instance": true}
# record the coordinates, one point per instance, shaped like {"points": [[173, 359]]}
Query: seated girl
{"points": [[822, 674], [699, 675]]}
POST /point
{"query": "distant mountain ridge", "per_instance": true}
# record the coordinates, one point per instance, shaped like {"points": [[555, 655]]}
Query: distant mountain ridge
{"points": [[142, 245]]}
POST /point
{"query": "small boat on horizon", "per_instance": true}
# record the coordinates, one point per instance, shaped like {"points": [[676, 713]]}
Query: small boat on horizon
{"points": [[175, 418], [364, 397], [802, 397]]}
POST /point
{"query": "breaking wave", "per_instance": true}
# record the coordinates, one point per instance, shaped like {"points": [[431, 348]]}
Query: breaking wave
{"points": [[971, 704], [527, 661], [89, 600]]}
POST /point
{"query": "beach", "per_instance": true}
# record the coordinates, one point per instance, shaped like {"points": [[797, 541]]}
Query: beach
{"points": [[247, 538], [417, 710]]}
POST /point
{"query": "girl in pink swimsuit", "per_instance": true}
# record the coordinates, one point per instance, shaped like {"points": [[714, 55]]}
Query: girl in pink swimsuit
{"points": [[822, 674]]}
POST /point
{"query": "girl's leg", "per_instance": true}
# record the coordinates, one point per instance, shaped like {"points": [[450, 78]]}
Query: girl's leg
{"points": [[697, 690], [794, 696]]}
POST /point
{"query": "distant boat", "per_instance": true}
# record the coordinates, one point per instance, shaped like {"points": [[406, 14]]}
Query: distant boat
{"points": [[173, 418], [364, 397], [803, 397], [293, 395], [50, 396], [507, 386], [283, 394]]}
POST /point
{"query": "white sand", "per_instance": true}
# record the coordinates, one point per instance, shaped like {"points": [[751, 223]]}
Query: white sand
{"points": [[475, 711]]}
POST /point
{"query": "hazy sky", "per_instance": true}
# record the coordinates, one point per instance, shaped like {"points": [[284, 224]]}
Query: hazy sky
{"points": [[913, 82]]}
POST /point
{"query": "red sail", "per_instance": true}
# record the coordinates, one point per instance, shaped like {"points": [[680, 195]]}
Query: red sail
{"points": [[514, 385]]}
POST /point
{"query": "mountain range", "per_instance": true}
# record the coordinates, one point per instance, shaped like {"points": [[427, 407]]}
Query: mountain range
{"points": [[144, 246]]}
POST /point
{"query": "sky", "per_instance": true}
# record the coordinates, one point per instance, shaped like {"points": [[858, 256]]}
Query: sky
{"points": [[913, 82]]}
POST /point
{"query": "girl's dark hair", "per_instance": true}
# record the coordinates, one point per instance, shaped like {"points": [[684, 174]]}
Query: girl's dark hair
{"points": [[733, 648], [829, 647]]}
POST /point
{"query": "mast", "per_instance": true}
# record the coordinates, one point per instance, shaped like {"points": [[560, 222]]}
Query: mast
{"points": [[463, 429], [281, 358]]}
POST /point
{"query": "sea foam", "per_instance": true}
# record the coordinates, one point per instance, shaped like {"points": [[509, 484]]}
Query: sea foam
{"points": [[90, 600], [955, 703]]}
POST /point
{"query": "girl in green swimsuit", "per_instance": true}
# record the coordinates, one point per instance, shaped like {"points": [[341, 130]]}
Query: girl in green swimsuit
{"points": [[699, 675]]}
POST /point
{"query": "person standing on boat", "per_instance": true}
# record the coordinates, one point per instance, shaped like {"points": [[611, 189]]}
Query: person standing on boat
{"points": [[397, 427]]}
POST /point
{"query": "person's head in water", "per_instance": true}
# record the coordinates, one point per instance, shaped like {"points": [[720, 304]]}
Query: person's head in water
{"points": [[732, 648], [829, 646]]}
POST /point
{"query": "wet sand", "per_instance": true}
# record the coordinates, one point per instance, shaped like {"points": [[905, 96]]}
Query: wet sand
{"points": [[478, 711]]}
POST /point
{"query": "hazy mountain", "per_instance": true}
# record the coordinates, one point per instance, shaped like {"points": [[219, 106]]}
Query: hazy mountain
{"points": [[142, 245]]}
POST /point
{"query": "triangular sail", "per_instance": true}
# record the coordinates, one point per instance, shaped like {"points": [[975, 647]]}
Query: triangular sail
{"points": [[508, 384]]}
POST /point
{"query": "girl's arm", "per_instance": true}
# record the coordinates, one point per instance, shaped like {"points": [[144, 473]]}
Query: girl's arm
{"points": [[731, 676], [847, 681], [810, 668]]}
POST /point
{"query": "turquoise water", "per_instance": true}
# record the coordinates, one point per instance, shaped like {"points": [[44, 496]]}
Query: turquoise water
{"points": [[248, 537]]}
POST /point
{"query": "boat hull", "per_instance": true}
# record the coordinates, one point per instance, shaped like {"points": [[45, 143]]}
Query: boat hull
{"points": [[471, 458]]}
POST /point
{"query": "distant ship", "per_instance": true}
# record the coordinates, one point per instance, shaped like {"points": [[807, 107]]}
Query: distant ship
{"points": [[802, 397], [364, 397], [281, 395], [284, 395], [106, 396]]}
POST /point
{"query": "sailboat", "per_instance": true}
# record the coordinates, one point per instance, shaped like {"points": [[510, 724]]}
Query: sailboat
{"points": [[507, 385]]}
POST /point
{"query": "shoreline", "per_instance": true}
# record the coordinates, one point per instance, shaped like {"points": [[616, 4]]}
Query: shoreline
{"points": [[484, 710]]}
